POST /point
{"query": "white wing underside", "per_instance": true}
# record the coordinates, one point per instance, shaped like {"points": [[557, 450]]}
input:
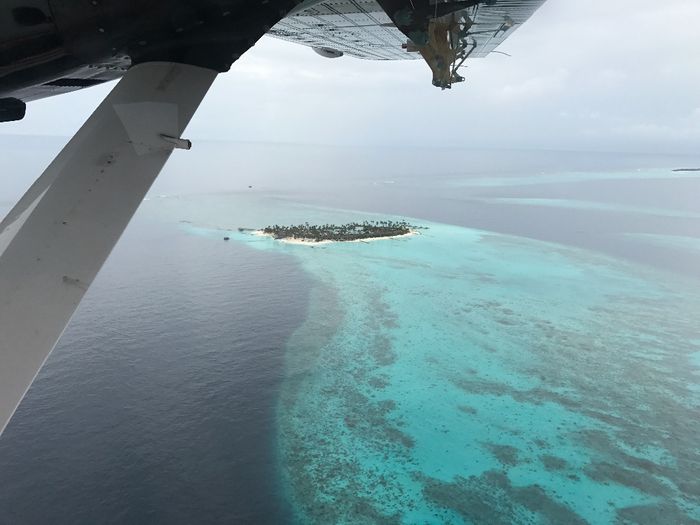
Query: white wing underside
{"points": [[361, 28]]}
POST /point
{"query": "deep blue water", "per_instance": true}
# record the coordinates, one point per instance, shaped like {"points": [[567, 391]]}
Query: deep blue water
{"points": [[157, 406], [533, 357]]}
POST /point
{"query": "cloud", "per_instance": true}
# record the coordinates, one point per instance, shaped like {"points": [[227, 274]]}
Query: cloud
{"points": [[534, 88]]}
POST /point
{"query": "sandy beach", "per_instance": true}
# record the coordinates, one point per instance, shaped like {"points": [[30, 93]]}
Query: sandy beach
{"points": [[309, 242]]}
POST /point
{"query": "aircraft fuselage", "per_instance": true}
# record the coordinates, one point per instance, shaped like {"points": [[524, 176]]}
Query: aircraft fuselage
{"points": [[49, 47]]}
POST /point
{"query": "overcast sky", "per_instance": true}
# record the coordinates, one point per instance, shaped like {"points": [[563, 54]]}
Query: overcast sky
{"points": [[614, 75]]}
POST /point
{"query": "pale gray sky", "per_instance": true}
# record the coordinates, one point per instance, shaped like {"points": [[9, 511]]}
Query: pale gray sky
{"points": [[620, 75]]}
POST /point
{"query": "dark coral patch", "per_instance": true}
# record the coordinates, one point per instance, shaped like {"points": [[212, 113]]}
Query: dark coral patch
{"points": [[505, 454], [553, 463], [606, 472], [492, 498]]}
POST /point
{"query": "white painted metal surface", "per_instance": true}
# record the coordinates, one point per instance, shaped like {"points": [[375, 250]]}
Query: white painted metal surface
{"points": [[361, 28], [55, 240], [358, 28]]}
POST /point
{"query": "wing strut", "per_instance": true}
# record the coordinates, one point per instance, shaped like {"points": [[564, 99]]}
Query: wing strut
{"points": [[55, 240]]}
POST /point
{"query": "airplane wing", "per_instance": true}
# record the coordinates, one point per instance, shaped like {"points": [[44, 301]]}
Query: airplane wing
{"points": [[494, 23], [55, 240], [362, 29], [359, 28]]}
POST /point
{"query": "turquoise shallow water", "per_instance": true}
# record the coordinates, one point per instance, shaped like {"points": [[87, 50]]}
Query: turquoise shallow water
{"points": [[588, 205], [573, 176], [461, 376], [679, 242]]}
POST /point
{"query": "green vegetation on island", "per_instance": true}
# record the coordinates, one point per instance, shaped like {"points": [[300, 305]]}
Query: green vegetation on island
{"points": [[353, 231]]}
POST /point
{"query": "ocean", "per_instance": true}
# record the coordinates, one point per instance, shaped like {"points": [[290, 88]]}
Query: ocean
{"points": [[533, 356]]}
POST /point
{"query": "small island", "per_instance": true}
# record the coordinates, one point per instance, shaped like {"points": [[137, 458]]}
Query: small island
{"points": [[354, 231], [687, 169]]}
